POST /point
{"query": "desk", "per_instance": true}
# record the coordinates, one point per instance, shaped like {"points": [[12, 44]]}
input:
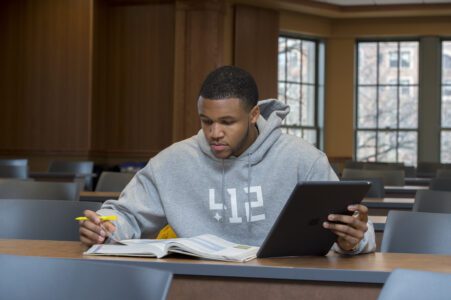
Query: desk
{"points": [[381, 206], [329, 277], [404, 191], [98, 196], [417, 181], [378, 222], [62, 177]]}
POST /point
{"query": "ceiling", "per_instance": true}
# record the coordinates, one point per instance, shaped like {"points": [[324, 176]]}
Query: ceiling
{"points": [[380, 2]]}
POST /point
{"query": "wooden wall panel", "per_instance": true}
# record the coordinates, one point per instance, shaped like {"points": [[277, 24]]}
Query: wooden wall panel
{"points": [[199, 50], [256, 46], [45, 63], [133, 79]]}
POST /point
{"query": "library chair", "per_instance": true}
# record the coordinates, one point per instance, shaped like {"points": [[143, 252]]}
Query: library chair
{"points": [[75, 167], [440, 184], [33, 277], [43, 219], [443, 173], [376, 190], [417, 232], [12, 171], [432, 201], [25, 189], [383, 166], [429, 169], [389, 177], [113, 181], [416, 285], [14, 162]]}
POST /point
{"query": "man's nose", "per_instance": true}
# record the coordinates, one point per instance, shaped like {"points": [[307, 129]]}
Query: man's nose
{"points": [[216, 131]]}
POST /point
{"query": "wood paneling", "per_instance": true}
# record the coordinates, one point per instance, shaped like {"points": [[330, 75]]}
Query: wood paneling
{"points": [[199, 50], [45, 76], [256, 46], [133, 79]]}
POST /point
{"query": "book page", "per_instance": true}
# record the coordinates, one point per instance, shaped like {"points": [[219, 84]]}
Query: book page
{"points": [[150, 249], [212, 247]]}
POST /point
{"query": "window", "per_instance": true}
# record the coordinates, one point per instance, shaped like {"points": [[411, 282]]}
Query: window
{"points": [[445, 136], [387, 101], [298, 86]]}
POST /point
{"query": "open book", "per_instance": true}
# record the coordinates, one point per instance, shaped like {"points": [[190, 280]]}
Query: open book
{"points": [[205, 246]]}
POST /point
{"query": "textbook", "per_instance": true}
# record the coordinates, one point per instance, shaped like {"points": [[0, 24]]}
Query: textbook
{"points": [[204, 246]]}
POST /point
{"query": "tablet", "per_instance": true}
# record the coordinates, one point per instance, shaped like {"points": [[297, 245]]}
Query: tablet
{"points": [[298, 230]]}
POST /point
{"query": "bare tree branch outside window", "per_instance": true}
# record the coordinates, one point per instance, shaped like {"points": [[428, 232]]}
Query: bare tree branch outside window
{"points": [[297, 86], [445, 136], [387, 101]]}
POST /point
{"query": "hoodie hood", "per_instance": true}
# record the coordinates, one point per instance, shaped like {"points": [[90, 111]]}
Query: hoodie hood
{"points": [[272, 113]]}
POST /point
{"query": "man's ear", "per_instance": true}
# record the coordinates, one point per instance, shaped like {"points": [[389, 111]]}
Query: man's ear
{"points": [[254, 114]]}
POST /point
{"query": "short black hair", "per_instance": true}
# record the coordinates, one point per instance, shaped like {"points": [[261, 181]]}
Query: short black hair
{"points": [[230, 82]]}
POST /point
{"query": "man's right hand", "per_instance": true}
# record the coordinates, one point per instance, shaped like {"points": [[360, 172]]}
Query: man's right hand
{"points": [[90, 230]]}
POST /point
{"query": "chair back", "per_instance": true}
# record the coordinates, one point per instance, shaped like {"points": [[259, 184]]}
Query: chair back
{"points": [[443, 173], [113, 181], [31, 277], [389, 177], [417, 232], [427, 169], [14, 162], [43, 219], [376, 190], [383, 166], [18, 189], [432, 201], [416, 285], [75, 167], [440, 184], [12, 171]]}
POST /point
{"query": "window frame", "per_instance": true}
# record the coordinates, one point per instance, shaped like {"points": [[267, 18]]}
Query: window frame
{"points": [[317, 86], [443, 86], [376, 129]]}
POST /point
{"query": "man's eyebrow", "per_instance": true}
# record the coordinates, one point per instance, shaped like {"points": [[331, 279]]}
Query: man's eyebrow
{"points": [[221, 118]]}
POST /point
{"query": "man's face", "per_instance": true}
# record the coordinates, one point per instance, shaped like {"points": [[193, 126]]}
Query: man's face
{"points": [[228, 126]]}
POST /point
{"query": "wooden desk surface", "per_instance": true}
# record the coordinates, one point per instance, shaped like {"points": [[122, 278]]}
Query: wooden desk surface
{"points": [[329, 277], [375, 262]]}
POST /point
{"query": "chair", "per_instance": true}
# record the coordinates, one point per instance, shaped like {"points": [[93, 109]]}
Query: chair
{"points": [[440, 184], [42, 220], [383, 166], [376, 190], [76, 167], [389, 177], [17, 189], [427, 169], [443, 173], [352, 164], [32, 277], [14, 162], [12, 171], [432, 201], [113, 181], [410, 171], [417, 232], [416, 285]]}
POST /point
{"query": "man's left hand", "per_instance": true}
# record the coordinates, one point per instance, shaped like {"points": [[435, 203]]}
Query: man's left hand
{"points": [[350, 229]]}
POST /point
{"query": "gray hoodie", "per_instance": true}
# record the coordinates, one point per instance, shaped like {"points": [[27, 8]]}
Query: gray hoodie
{"points": [[237, 198]]}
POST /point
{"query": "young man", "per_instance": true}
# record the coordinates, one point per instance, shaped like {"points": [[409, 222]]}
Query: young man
{"points": [[231, 179]]}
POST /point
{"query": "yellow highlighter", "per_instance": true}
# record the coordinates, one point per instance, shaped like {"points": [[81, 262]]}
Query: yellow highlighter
{"points": [[102, 218]]}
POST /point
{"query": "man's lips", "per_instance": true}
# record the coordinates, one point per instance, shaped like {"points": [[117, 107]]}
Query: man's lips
{"points": [[217, 147]]}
